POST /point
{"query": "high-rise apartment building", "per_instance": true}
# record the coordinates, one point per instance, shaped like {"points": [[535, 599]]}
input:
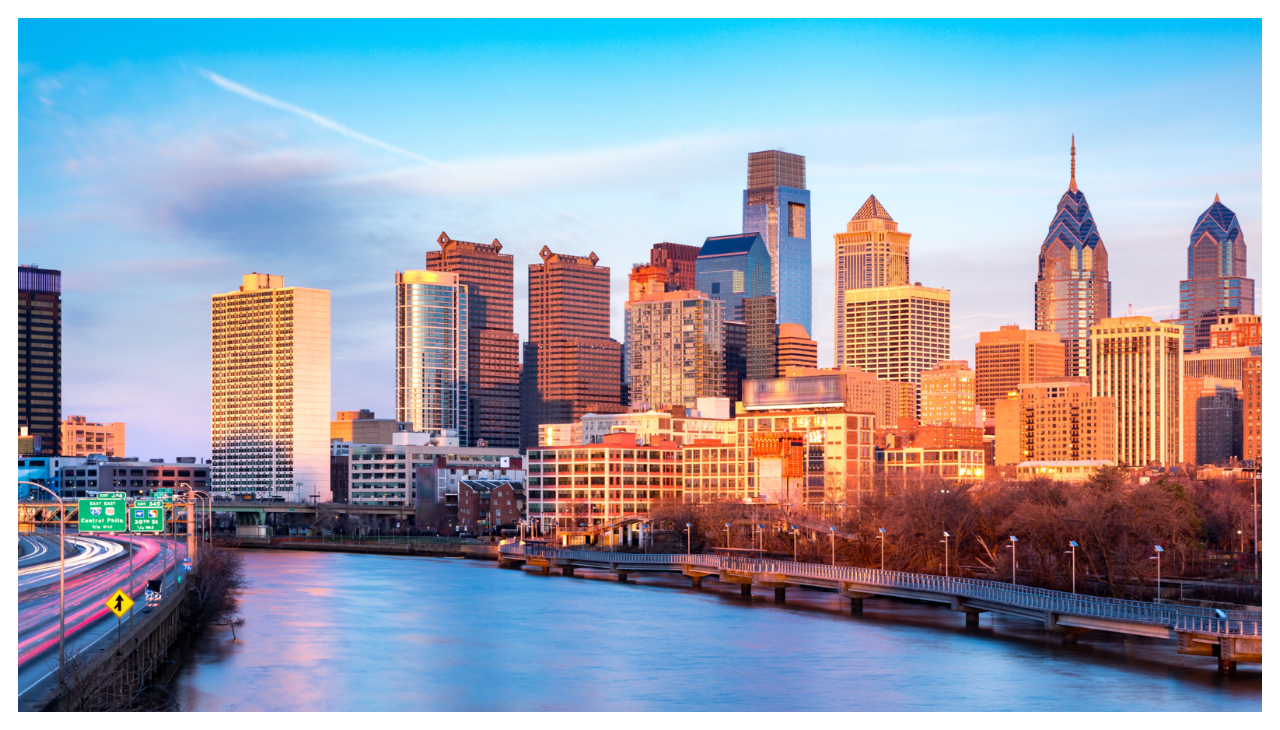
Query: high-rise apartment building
{"points": [[1073, 291], [675, 349], [1138, 362], [735, 359], [761, 315], [948, 395], [40, 357], [270, 414], [1010, 356], [433, 391], [871, 252], [795, 349], [733, 268], [1217, 276], [1251, 390], [1236, 330], [1055, 420], [1212, 420], [1219, 362], [494, 348], [83, 438], [680, 263], [776, 205], [571, 365], [897, 332]]}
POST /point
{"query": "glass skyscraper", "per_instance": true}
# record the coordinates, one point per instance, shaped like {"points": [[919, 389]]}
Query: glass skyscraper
{"points": [[1217, 282], [1073, 292], [776, 205], [431, 352], [733, 268]]}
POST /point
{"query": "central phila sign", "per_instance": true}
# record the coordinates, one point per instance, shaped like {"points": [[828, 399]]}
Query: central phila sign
{"points": [[102, 515]]}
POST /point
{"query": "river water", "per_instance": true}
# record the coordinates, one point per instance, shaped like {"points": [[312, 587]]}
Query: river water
{"points": [[337, 632]]}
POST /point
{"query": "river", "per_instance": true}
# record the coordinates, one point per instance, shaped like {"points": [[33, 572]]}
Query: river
{"points": [[338, 632]]}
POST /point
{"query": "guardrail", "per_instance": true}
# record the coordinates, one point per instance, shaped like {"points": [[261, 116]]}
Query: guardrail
{"points": [[1183, 618]]}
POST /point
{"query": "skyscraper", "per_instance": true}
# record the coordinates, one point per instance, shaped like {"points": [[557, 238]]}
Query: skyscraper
{"points": [[270, 383], [732, 268], [776, 205], [494, 347], [1138, 362], [871, 252], [735, 359], [679, 261], [1006, 358], [1073, 292], [432, 352], [571, 365], [795, 349], [761, 314], [897, 332], [675, 349], [1217, 276], [948, 395], [40, 356]]}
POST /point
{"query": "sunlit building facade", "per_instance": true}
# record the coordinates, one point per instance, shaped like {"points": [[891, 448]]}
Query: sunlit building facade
{"points": [[81, 437], [1218, 280], [1138, 362], [270, 382], [871, 252], [776, 205], [948, 395], [795, 349], [1055, 420], [1010, 356], [675, 349], [897, 332], [733, 268], [432, 352]]}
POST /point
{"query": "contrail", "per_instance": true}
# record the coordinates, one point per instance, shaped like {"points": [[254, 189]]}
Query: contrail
{"points": [[323, 121]]}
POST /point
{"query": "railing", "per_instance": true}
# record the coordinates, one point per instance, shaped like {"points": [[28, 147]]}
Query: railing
{"points": [[1185, 618]]}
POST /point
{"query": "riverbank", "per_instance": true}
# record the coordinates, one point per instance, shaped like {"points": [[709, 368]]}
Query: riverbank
{"points": [[420, 546]]}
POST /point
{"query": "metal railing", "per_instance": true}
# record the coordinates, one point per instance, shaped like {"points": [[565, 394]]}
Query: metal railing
{"points": [[1184, 618]]}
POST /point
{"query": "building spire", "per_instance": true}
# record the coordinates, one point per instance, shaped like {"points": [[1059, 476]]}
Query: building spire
{"points": [[1216, 199], [1073, 187]]}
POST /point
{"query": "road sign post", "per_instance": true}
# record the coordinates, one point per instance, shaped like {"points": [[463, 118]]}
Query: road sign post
{"points": [[118, 603], [103, 515]]}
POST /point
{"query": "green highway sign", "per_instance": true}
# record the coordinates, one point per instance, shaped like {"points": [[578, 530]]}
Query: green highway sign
{"points": [[147, 515], [103, 515], [112, 495], [165, 494]]}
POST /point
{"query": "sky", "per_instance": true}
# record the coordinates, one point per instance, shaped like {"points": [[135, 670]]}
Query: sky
{"points": [[159, 161]]}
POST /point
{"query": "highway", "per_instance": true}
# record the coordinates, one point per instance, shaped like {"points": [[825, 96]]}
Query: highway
{"points": [[99, 570]]}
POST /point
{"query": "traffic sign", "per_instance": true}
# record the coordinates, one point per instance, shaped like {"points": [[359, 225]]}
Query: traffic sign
{"points": [[119, 603], [103, 515], [186, 565], [112, 495], [147, 515], [165, 494]]}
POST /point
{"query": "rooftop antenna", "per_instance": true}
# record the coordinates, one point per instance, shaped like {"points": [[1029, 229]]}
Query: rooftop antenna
{"points": [[1073, 187], [1130, 309]]}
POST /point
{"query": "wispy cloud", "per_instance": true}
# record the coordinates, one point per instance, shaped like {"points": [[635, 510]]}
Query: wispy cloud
{"points": [[323, 121]]}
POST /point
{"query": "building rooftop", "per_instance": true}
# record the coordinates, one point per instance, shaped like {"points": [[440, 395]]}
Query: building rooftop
{"points": [[872, 209], [734, 245]]}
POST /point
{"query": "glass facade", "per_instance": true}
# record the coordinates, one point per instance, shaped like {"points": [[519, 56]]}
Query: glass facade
{"points": [[733, 268], [776, 206], [431, 352], [675, 349], [1217, 276]]}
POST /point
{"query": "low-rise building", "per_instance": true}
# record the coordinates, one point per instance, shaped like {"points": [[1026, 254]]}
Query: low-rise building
{"points": [[907, 464], [1058, 420], [838, 453], [710, 419], [82, 438], [362, 427], [485, 507], [134, 477], [1062, 471], [46, 470], [715, 472]]}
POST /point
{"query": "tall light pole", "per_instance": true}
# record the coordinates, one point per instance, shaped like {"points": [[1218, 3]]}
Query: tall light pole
{"points": [[1255, 520], [1073, 565], [1241, 534], [946, 553], [1157, 558], [833, 546], [882, 548], [795, 544], [62, 583], [1013, 543], [726, 536], [688, 531]]}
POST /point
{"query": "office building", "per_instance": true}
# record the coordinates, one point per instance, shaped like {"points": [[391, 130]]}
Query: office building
{"points": [[413, 474], [493, 357], [897, 332], [1138, 362], [776, 205], [1226, 363], [872, 252], [679, 262], [795, 349], [1009, 356], [710, 420], [851, 390], [40, 357], [82, 438], [948, 395], [270, 406], [1251, 391], [735, 359], [911, 465], [761, 315], [134, 477], [733, 268], [1055, 420], [717, 472], [1236, 330], [1218, 282], [432, 352], [362, 427], [675, 349], [1073, 291], [1212, 421], [571, 365], [818, 457]]}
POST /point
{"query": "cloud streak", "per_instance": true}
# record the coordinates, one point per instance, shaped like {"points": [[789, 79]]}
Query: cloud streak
{"points": [[323, 121]]}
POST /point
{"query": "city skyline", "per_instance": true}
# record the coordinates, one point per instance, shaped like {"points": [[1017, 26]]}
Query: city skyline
{"points": [[237, 161]]}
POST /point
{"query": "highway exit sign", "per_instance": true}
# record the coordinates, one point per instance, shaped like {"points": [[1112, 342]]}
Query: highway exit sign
{"points": [[103, 515], [165, 494], [147, 515]]}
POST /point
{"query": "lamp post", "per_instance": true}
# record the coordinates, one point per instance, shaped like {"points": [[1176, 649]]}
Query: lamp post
{"points": [[688, 531], [795, 544], [726, 536], [760, 531], [881, 548], [1241, 534], [1157, 559], [62, 583], [1013, 543], [1073, 565], [1255, 520], [946, 553], [833, 545]]}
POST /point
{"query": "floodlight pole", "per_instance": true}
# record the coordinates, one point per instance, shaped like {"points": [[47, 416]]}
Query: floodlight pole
{"points": [[62, 583]]}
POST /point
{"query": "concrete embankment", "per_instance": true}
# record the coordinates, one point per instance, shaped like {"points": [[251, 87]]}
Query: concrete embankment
{"points": [[421, 548]]}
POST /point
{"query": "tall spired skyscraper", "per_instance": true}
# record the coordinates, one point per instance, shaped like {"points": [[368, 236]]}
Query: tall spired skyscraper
{"points": [[1217, 282], [776, 205], [871, 252], [1073, 292]]}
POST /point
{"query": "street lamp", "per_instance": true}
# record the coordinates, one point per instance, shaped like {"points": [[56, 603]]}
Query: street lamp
{"points": [[1014, 544], [1241, 534], [882, 548], [1157, 559], [833, 545], [62, 583], [726, 536], [795, 544], [760, 532], [946, 552], [1073, 565], [688, 531]]}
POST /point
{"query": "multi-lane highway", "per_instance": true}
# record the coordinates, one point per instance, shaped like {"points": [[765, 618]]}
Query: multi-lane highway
{"points": [[99, 568]]}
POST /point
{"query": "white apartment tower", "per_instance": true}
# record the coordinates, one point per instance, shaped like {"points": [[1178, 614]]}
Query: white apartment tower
{"points": [[270, 415], [897, 332], [431, 353], [1138, 361]]}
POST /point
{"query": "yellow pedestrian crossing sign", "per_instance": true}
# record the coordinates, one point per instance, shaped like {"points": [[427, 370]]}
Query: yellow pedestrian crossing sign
{"points": [[119, 603]]}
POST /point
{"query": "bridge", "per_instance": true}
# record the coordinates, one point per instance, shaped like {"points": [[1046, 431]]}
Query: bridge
{"points": [[247, 512], [1231, 636]]}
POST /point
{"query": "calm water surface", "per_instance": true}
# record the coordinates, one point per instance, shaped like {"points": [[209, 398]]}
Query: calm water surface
{"points": [[338, 632]]}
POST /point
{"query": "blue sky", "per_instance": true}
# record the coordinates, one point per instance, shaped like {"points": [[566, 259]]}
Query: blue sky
{"points": [[160, 160]]}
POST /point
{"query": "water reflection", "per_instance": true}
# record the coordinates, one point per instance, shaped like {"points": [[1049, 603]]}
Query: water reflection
{"points": [[336, 632]]}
